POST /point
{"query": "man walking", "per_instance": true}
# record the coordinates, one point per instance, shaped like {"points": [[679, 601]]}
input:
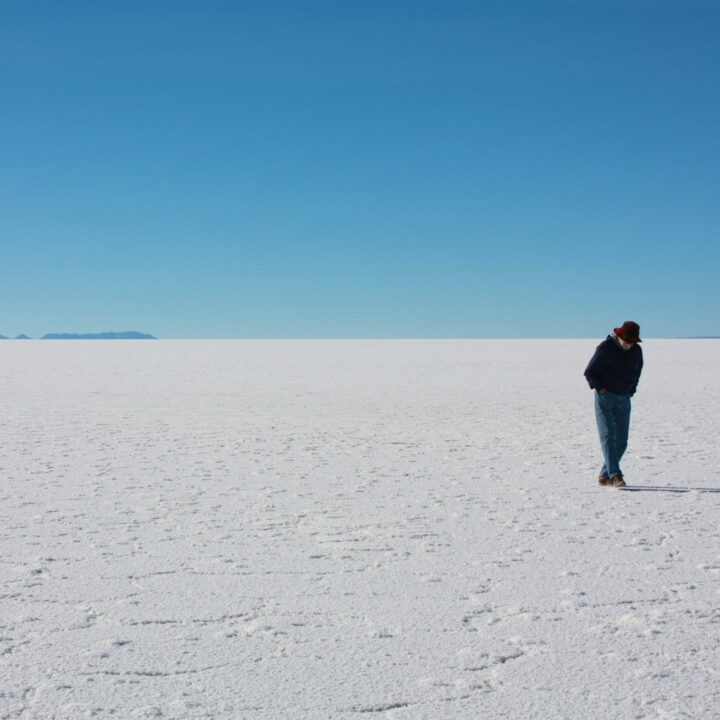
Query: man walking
{"points": [[613, 372]]}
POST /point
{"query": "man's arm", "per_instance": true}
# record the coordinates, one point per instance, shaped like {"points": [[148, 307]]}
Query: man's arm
{"points": [[637, 373], [594, 372]]}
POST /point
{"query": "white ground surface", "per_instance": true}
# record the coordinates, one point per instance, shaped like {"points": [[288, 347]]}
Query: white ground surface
{"points": [[354, 529]]}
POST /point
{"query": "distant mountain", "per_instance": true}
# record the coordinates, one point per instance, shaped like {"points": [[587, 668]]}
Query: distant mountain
{"points": [[23, 337], [2, 337], [127, 335]]}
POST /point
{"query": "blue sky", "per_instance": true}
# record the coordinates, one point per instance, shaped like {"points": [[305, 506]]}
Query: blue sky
{"points": [[360, 169]]}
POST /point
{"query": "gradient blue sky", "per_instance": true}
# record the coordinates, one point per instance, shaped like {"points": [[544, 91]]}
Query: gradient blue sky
{"points": [[360, 169]]}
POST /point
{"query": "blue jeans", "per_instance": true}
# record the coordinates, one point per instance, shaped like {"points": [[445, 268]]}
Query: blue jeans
{"points": [[613, 420]]}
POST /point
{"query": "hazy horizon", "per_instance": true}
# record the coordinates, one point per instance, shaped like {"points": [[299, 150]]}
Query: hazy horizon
{"points": [[377, 337]]}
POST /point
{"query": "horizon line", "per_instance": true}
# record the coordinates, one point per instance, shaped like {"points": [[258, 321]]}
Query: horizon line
{"points": [[359, 337]]}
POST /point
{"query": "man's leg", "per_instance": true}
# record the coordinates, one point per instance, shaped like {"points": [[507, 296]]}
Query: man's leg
{"points": [[622, 426], [607, 430]]}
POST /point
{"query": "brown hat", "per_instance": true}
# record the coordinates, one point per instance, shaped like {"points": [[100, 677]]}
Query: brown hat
{"points": [[629, 332]]}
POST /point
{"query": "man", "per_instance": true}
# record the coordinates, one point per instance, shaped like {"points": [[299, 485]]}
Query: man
{"points": [[613, 372]]}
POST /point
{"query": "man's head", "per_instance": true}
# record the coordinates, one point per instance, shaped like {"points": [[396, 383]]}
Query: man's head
{"points": [[629, 332]]}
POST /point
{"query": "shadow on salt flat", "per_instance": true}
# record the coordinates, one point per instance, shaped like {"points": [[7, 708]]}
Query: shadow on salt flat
{"points": [[670, 489]]}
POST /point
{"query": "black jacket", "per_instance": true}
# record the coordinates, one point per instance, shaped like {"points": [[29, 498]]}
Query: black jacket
{"points": [[615, 369]]}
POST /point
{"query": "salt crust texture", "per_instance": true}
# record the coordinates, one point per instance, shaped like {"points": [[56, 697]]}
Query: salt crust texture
{"points": [[390, 529]]}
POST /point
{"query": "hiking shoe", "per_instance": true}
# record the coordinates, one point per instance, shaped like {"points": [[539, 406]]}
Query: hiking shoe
{"points": [[617, 481], [604, 480]]}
